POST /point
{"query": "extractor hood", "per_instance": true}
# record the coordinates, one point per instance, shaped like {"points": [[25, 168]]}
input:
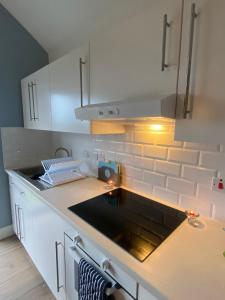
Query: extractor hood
{"points": [[139, 108]]}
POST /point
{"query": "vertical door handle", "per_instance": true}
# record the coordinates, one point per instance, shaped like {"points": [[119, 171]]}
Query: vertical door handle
{"points": [[58, 286], [82, 62], [29, 94], [33, 100], [17, 230], [194, 15], [166, 25], [19, 219]]}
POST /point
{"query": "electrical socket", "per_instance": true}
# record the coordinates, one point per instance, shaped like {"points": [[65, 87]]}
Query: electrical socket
{"points": [[218, 184]]}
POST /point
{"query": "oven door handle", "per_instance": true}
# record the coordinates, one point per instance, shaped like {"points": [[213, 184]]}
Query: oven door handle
{"points": [[73, 250]]}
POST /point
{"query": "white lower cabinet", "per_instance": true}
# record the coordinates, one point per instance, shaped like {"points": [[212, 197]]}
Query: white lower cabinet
{"points": [[48, 229]]}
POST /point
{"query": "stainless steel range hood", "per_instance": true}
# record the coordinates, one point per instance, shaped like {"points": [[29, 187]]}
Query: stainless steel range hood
{"points": [[140, 108]]}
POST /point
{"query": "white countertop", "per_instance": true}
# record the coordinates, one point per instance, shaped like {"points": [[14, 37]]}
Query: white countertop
{"points": [[189, 264]]}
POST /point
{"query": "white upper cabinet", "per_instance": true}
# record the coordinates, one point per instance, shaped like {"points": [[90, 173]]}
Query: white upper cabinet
{"points": [[36, 100], [127, 62], [202, 88], [69, 82]]}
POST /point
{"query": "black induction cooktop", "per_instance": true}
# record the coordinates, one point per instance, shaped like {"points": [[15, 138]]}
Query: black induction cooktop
{"points": [[135, 223]]}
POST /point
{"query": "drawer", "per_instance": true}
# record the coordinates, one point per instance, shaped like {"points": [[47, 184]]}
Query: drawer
{"points": [[107, 265]]}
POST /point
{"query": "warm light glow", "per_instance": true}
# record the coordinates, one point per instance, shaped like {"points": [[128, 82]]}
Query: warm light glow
{"points": [[156, 127]]}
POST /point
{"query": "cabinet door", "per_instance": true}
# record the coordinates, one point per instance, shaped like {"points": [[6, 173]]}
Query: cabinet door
{"points": [[41, 96], [16, 197], [28, 104], [29, 237], [14, 203], [66, 91], [127, 61], [49, 247], [206, 101]]}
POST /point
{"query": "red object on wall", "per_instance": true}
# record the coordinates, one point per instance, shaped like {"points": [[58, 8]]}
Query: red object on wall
{"points": [[220, 185]]}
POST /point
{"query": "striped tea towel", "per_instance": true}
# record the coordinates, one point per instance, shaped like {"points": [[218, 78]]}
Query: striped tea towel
{"points": [[92, 285]]}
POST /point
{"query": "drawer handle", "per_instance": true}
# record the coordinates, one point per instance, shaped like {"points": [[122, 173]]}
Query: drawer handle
{"points": [[57, 266]]}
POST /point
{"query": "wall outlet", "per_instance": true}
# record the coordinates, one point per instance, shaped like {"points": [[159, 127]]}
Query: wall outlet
{"points": [[218, 184]]}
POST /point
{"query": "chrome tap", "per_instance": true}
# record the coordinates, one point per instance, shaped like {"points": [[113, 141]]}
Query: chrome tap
{"points": [[63, 149]]}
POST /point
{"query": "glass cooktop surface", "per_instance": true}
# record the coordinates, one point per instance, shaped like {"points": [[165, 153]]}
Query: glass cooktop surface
{"points": [[135, 223]]}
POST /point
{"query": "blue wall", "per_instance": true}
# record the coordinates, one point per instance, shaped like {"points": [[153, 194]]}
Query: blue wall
{"points": [[20, 55]]}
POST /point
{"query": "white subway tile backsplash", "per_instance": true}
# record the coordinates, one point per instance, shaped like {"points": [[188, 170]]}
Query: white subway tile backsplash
{"points": [[166, 195], [132, 172], [204, 207], [167, 167], [212, 160], [124, 158], [202, 147], [155, 152], [217, 199], [154, 178], [116, 146], [200, 175], [185, 156], [133, 148], [176, 172], [181, 186], [142, 187], [109, 155], [141, 162]]}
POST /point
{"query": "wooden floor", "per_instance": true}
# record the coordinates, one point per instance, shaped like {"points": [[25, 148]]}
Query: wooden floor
{"points": [[19, 279]]}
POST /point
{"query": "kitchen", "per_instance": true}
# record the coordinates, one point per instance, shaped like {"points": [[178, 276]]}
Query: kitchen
{"points": [[112, 153]]}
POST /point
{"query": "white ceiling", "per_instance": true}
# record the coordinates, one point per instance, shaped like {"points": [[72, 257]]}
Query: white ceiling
{"points": [[61, 25]]}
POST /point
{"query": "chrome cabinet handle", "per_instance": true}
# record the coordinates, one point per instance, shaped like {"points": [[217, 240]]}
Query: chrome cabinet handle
{"points": [[57, 266], [33, 100], [29, 86], [81, 81], [20, 209], [16, 214], [166, 25], [194, 15]]}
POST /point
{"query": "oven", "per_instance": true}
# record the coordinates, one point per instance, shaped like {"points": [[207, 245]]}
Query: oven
{"points": [[123, 286]]}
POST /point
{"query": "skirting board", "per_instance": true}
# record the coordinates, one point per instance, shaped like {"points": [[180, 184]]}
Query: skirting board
{"points": [[6, 232]]}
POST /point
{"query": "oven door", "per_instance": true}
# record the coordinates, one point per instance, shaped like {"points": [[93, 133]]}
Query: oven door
{"points": [[72, 257]]}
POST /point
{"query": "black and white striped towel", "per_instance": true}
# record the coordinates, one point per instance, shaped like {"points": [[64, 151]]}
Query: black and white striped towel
{"points": [[92, 285]]}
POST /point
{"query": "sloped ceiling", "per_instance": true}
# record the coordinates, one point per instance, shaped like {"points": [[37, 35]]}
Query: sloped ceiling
{"points": [[61, 25]]}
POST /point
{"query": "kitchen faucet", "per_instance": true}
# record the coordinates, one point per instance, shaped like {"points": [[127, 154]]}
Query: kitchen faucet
{"points": [[63, 149]]}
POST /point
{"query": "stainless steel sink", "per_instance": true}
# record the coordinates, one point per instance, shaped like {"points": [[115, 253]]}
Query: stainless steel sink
{"points": [[32, 175]]}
